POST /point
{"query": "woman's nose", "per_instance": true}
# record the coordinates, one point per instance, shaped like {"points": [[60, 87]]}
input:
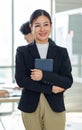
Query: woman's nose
{"points": [[42, 28]]}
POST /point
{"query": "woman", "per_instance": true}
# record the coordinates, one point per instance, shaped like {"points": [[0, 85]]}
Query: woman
{"points": [[42, 102]]}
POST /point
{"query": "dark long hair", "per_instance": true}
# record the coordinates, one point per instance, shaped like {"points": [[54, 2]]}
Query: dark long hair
{"points": [[38, 13]]}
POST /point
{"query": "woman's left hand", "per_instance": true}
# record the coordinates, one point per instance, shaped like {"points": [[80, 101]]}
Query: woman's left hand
{"points": [[57, 89], [36, 74]]}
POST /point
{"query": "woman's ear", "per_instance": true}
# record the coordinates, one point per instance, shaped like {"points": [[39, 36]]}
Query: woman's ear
{"points": [[30, 26]]}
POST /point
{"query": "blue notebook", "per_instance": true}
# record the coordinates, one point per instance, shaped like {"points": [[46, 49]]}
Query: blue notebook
{"points": [[44, 64]]}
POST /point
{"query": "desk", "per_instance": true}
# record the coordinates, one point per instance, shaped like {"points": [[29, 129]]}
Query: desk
{"points": [[9, 99], [6, 100]]}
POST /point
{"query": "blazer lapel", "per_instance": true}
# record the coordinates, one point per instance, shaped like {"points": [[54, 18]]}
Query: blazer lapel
{"points": [[51, 54], [33, 50]]}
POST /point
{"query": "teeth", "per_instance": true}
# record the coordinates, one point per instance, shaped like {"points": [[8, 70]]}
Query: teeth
{"points": [[42, 34]]}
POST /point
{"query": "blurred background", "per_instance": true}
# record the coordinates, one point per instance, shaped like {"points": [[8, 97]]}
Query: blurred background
{"points": [[66, 31]]}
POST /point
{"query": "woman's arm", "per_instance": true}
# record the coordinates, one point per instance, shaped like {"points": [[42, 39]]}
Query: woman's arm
{"points": [[62, 80]]}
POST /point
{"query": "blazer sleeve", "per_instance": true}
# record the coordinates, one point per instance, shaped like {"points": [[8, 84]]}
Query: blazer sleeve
{"points": [[63, 79], [23, 78]]}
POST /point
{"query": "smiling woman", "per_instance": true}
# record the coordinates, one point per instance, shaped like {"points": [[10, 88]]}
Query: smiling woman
{"points": [[41, 29], [44, 89]]}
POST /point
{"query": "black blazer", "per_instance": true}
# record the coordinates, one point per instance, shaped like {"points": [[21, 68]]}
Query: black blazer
{"points": [[61, 76]]}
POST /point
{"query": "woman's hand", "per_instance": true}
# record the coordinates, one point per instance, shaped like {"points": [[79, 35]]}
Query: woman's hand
{"points": [[56, 89], [36, 74]]}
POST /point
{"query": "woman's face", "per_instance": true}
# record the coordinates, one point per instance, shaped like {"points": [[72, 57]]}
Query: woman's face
{"points": [[41, 29]]}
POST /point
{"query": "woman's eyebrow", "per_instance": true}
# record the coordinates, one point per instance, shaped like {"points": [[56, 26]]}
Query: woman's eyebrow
{"points": [[37, 23], [40, 23]]}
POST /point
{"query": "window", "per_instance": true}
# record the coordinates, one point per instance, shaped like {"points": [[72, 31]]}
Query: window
{"points": [[13, 14], [68, 34], [5, 40]]}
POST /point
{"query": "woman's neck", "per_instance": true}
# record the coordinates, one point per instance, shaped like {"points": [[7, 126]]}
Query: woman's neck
{"points": [[42, 41]]}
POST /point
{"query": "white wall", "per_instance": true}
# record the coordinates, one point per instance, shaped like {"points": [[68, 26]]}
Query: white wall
{"points": [[63, 5]]}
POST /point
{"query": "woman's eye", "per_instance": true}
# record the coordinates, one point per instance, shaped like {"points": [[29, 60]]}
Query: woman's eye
{"points": [[46, 24], [37, 25]]}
